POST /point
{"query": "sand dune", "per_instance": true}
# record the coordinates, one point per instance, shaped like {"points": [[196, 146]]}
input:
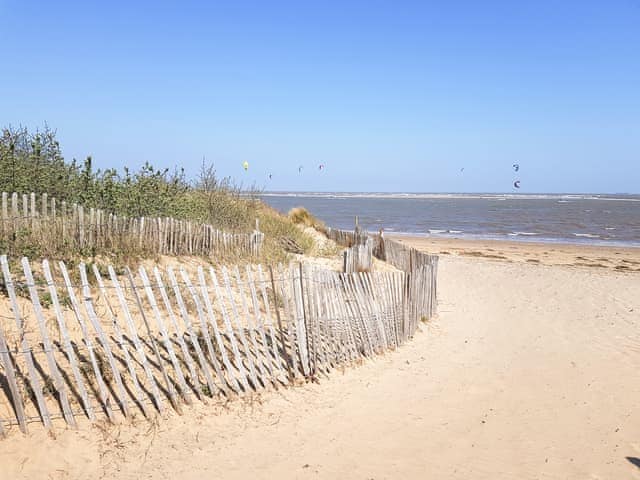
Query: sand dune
{"points": [[531, 371]]}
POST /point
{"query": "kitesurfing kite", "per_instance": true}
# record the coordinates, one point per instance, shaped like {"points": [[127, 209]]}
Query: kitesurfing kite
{"points": [[321, 166], [245, 165], [270, 175], [516, 167], [462, 170], [516, 184], [300, 169]]}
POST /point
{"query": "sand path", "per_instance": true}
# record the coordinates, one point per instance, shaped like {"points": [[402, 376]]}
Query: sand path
{"points": [[530, 372]]}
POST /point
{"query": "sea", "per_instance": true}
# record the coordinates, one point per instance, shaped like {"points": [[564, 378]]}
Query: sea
{"points": [[561, 218]]}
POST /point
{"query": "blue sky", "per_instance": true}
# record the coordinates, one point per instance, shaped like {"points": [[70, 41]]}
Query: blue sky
{"points": [[390, 96]]}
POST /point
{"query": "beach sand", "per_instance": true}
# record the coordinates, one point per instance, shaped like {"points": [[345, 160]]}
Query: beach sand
{"points": [[530, 372], [592, 256]]}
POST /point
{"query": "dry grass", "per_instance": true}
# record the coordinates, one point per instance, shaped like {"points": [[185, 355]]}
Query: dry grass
{"points": [[302, 216]]}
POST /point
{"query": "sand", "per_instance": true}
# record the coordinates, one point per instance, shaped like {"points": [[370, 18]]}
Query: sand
{"points": [[530, 371], [624, 259]]}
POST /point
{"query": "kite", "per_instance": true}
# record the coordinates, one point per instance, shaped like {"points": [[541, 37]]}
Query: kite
{"points": [[321, 166], [516, 184], [270, 175], [245, 165], [516, 167], [300, 169]]}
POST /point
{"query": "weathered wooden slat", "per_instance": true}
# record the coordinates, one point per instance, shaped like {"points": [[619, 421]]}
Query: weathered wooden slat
{"points": [[321, 332], [288, 360], [233, 382], [384, 288], [186, 356], [289, 314], [374, 307], [240, 330], [329, 324], [348, 325], [139, 394], [66, 341], [133, 332], [259, 321], [304, 330], [277, 359], [154, 345], [364, 314], [165, 336], [75, 306], [229, 330], [334, 293], [334, 298], [192, 337], [351, 315], [10, 373], [317, 361], [102, 338], [252, 328], [358, 314], [24, 344], [58, 383]]}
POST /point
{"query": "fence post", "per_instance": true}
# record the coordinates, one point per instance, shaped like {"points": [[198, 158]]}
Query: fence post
{"points": [[24, 344], [312, 368], [288, 361]]}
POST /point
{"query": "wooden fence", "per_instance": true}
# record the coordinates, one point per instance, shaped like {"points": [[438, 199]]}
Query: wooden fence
{"points": [[359, 257], [347, 238], [402, 256], [407, 259], [63, 226], [96, 343]]}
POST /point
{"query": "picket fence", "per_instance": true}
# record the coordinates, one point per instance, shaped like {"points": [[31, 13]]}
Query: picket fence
{"points": [[347, 238], [359, 257], [97, 343], [72, 226]]}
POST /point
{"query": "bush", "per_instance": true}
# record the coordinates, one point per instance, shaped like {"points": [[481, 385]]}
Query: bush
{"points": [[302, 216], [33, 162]]}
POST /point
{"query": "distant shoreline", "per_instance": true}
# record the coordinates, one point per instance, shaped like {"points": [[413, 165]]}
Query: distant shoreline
{"points": [[520, 238], [620, 259], [631, 197]]}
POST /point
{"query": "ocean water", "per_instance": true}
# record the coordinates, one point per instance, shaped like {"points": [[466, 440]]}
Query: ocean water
{"points": [[593, 219]]}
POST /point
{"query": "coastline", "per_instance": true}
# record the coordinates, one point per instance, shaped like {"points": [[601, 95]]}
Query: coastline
{"points": [[618, 258]]}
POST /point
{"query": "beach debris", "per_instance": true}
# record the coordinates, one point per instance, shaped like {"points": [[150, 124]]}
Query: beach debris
{"points": [[290, 245], [516, 184], [245, 165], [516, 167]]}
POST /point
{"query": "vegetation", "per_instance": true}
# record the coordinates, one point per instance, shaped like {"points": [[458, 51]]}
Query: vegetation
{"points": [[302, 216], [33, 162]]}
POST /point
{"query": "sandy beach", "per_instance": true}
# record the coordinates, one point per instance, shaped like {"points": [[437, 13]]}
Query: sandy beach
{"points": [[623, 259], [530, 371]]}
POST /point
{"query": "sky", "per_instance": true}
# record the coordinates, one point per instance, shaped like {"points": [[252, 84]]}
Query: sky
{"points": [[387, 95]]}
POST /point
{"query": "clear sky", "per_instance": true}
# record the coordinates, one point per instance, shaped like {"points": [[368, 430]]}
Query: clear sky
{"points": [[389, 96]]}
